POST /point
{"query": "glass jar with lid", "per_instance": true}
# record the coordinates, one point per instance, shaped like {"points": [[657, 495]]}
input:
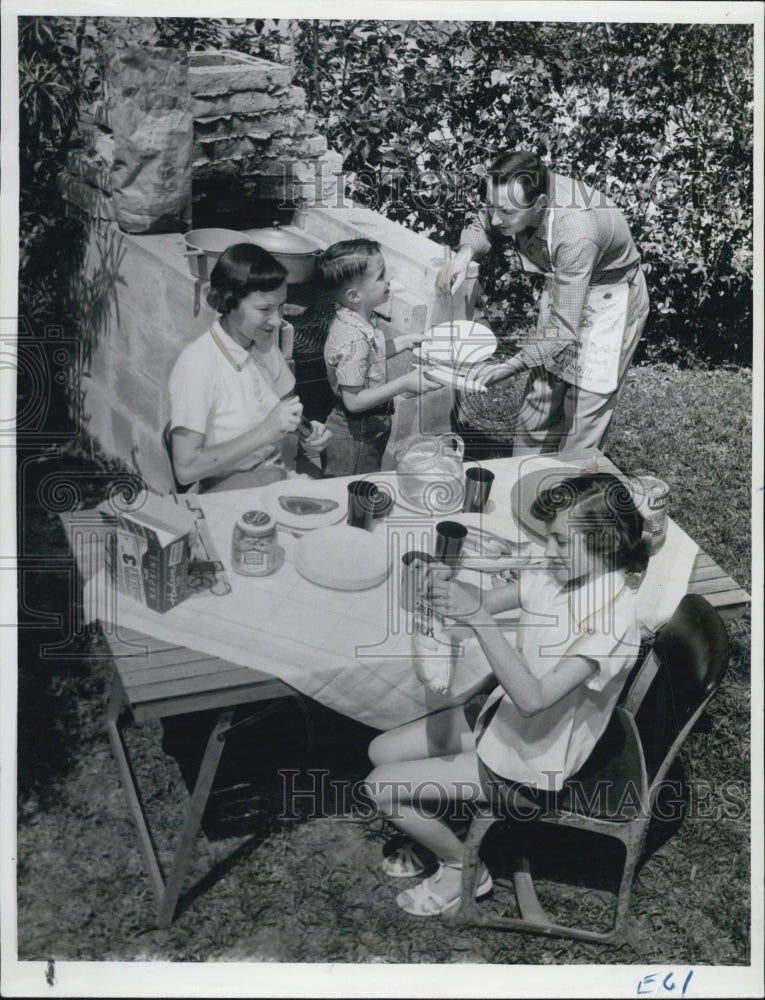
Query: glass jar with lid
{"points": [[253, 544]]}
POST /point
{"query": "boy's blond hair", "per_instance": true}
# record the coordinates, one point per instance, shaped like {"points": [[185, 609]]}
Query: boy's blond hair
{"points": [[345, 261]]}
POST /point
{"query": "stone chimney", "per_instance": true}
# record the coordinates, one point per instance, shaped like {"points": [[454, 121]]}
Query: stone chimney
{"points": [[256, 150]]}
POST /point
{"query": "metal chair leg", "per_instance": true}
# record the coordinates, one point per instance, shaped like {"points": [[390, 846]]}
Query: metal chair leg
{"points": [[468, 911], [533, 917], [528, 901]]}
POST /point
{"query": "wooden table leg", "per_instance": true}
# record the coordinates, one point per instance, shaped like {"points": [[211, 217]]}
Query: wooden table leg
{"points": [[116, 700], [166, 892], [194, 810]]}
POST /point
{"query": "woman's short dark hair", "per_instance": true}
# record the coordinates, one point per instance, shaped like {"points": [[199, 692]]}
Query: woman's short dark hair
{"points": [[242, 269], [605, 513], [523, 166], [344, 261]]}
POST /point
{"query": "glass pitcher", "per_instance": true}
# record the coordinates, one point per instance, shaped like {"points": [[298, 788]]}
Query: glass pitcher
{"points": [[429, 472]]}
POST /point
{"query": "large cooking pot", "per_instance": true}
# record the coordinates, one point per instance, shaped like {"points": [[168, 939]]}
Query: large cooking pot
{"points": [[204, 247], [294, 252]]}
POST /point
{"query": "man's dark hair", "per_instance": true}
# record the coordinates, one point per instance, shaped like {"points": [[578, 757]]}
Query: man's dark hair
{"points": [[522, 166]]}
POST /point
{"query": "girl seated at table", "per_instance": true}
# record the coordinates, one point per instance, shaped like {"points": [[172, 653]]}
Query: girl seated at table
{"points": [[232, 394], [577, 639]]}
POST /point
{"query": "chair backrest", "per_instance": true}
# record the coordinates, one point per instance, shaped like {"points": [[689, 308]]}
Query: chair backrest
{"points": [[167, 449], [684, 669], [664, 695]]}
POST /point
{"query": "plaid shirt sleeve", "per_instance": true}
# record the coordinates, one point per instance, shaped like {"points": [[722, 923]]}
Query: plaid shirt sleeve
{"points": [[575, 254], [476, 235]]}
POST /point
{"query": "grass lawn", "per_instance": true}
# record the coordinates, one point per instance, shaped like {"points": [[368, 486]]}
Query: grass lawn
{"points": [[311, 890]]}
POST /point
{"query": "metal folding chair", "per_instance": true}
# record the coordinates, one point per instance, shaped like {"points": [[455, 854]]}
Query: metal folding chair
{"points": [[615, 792]]}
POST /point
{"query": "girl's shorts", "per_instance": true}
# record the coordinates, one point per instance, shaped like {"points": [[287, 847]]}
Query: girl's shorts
{"points": [[510, 798]]}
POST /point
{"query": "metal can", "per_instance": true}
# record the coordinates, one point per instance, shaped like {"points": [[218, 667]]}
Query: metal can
{"points": [[253, 544], [651, 495]]}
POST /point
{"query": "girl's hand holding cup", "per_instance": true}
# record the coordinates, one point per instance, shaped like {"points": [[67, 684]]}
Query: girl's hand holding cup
{"points": [[451, 599]]}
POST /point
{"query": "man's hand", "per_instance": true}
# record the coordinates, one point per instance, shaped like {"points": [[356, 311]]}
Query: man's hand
{"points": [[489, 372], [452, 275]]}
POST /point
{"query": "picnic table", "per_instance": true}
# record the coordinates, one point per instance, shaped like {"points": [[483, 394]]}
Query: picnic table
{"points": [[350, 650]]}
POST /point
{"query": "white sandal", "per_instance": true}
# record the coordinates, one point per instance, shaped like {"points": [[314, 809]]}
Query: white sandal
{"points": [[424, 901], [405, 862]]}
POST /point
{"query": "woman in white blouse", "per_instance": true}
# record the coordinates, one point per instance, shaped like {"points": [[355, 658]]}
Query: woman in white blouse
{"points": [[231, 391]]}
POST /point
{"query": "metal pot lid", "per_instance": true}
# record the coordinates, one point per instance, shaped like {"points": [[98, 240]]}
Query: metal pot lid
{"points": [[276, 240]]}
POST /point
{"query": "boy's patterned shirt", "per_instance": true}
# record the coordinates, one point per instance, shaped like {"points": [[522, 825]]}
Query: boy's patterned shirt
{"points": [[355, 353]]}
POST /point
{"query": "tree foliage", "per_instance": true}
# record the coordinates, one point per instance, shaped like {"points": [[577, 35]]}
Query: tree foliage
{"points": [[52, 82], [660, 116]]}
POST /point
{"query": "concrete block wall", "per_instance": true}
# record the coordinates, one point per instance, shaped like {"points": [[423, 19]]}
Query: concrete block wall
{"points": [[155, 308]]}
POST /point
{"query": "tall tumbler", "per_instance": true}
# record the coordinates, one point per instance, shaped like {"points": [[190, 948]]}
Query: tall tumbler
{"points": [[450, 537]]}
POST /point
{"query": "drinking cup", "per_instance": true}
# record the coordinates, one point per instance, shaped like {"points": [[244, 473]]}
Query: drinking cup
{"points": [[478, 483], [450, 536], [362, 497], [383, 504], [414, 567]]}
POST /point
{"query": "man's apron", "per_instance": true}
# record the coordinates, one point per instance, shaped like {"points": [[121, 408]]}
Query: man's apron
{"points": [[594, 360]]}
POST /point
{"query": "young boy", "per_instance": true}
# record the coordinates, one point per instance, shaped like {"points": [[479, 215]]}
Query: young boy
{"points": [[355, 355]]}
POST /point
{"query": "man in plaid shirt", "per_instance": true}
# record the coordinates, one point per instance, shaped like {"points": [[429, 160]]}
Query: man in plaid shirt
{"points": [[580, 240]]}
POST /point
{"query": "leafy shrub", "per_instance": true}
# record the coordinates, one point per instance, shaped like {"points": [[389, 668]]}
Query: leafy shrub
{"points": [[52, 80], [660, 116]]}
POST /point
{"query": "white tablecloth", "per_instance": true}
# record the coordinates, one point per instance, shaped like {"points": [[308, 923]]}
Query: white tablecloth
{"points": [[349, 650]]}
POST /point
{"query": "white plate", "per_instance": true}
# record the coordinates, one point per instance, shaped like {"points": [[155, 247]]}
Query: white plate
{"points": [[462, 342], [522, 558], [342, 558], [327, 489], [493, 523], [526, 490], [454, 379], [436, 511]]}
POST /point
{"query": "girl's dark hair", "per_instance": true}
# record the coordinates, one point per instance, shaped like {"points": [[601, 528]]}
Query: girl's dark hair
{"points": [[605, 513], [522, 166], [242, 269], [344, 261]]}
